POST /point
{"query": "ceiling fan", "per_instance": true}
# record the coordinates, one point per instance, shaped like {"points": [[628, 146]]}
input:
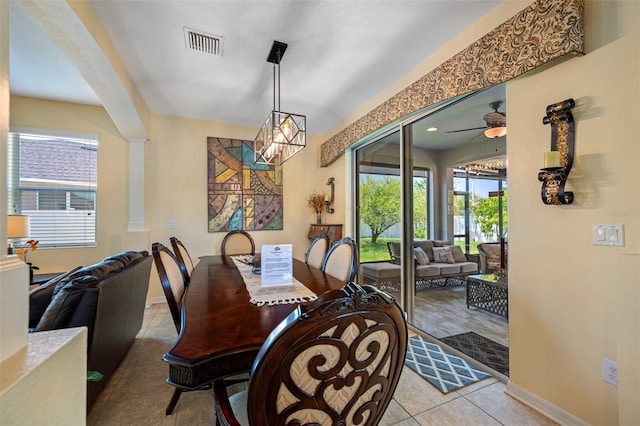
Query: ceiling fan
{"points": [[496, 123]]}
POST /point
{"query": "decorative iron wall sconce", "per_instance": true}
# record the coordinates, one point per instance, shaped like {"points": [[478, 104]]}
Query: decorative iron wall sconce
{"points": [[558, 162], [328, 203]]}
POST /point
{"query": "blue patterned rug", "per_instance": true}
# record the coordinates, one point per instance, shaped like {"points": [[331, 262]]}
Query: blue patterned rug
{"points": [[442, 369]]}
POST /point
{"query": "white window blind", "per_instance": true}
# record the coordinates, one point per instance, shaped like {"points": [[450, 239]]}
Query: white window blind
{"points": [[53, 180]]}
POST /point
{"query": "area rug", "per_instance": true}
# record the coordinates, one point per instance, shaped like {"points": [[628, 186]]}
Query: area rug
{"points": [[486, 351], [442, 369]]}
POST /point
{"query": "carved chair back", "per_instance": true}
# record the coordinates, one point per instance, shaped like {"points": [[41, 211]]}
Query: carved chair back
{"points": [[334, 361]]}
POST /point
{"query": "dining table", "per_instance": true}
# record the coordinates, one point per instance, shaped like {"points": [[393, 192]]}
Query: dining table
{"points": [[222, 330]]}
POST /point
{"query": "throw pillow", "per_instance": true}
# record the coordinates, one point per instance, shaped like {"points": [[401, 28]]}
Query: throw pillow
{"points": [[458, 255], [426, 246], [421, 256], [40, 297], [64, 303], [443, 255]]}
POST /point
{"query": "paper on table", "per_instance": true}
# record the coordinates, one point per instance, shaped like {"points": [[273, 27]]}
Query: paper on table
{"points": [[272, 295], [276, 263]]}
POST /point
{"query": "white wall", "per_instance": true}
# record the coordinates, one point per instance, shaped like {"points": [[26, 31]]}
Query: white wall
{"points": [[563, 291]]}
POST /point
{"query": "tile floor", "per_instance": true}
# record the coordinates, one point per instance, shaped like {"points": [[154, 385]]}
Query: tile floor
{"points": [[137, 393]]}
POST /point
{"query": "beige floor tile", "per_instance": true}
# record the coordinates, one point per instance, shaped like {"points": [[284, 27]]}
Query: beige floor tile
{"points": [[506, 409], [408, 422], [416, 395], [394, 414], [458, 412], [475, 386], [142, 381], [149, 351], [160, 332], [195, 408], [145, 409]]}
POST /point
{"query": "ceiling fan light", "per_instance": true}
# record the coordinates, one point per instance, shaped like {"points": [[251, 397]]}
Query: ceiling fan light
{"points": [[495, 132]]}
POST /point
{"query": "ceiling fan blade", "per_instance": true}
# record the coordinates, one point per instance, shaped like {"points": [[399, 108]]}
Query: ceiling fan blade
{"points": [[479, 135], [465, 130]]}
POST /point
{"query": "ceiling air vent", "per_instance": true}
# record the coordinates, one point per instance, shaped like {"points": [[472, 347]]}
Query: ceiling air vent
{"points": [[203, 42]]}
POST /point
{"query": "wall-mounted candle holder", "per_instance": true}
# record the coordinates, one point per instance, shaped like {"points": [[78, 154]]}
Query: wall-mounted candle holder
{"points": [[558, 162], [328, 203]]}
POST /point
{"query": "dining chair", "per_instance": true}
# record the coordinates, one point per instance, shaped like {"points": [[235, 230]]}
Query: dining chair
{"points": [[317, 251], [174, 286], [238, 242], [184, 259], [335, 360], [341, 260]]}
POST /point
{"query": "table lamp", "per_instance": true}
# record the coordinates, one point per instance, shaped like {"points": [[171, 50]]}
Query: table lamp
{"points": [[17, 227]]}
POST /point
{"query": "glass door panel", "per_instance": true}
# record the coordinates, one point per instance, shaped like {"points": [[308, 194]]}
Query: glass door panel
{"points": [[378, 205]]}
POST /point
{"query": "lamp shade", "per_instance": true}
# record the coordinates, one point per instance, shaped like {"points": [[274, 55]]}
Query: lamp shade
{"points": [[17, 226], [495, 132]]}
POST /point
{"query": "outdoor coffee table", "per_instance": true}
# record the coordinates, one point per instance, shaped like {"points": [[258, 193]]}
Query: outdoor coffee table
{"points": [[488, 292]]}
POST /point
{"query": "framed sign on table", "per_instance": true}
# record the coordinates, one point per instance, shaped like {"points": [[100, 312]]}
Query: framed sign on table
{"points": [[240, 193]]}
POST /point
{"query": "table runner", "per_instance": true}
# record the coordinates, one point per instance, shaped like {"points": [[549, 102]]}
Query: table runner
{"points": [[275, 295]]}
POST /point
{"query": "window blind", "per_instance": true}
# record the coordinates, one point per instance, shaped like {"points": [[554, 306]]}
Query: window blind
{"points": [[53, 180]]}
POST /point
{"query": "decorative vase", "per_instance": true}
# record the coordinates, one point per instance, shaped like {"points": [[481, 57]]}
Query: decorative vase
{"points": [[318, 218]]}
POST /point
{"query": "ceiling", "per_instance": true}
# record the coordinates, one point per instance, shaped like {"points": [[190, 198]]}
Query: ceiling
{"points": [[340, 55]]}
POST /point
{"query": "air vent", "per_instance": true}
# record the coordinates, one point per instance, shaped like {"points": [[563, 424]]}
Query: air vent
{"points": [[203, 42]]}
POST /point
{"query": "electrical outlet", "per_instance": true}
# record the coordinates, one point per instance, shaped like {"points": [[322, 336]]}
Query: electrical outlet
{"points": [[610, 371]]}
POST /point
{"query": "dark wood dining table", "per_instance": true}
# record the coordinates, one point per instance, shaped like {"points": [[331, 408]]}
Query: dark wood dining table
{"points": [[222, 331]]}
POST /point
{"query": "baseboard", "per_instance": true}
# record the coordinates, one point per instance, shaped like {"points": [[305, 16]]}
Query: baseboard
{"points": [[154, 300], [542, 406]]}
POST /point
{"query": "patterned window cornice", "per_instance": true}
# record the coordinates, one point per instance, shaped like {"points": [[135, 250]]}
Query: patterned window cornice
{"points": [[544, 31]]}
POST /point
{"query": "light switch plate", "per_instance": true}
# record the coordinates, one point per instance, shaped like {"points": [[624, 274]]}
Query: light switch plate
{"points": [[608, 235]]}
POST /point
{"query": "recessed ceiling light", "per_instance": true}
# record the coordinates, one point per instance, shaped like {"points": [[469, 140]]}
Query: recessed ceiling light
{"points": [[432, 129]]}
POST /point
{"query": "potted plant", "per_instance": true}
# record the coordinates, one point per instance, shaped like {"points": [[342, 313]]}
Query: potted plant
{"points": [[24, 251], [316, 201]]}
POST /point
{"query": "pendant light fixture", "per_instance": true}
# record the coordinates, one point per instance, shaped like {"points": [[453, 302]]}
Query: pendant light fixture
{"points": [[283, 134]]}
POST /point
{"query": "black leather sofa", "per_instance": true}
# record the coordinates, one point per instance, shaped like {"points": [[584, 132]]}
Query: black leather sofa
{"points": [[108, 298]]}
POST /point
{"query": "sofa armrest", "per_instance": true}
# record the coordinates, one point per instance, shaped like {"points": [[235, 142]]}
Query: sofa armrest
{"points": [[38, 302], [475, 258]]}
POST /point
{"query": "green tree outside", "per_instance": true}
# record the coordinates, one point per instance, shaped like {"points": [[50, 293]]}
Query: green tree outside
{"points": [[419, 208], [487, 214], [379, 203]]}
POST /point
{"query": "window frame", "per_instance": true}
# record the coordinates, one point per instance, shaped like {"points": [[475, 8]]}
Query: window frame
{"points": [[85, 232]]}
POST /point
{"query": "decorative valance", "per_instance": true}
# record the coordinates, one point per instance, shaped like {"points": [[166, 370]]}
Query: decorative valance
{"points": [[544, 31]]}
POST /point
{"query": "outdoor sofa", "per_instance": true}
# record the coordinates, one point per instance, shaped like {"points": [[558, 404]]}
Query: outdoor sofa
{"points": [[437, 264]]}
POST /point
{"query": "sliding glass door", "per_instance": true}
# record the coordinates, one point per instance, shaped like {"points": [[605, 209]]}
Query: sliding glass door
{"points": [[422, 181]]}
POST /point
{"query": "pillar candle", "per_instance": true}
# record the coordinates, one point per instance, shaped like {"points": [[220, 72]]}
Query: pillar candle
{"points": [[551, 159]]}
